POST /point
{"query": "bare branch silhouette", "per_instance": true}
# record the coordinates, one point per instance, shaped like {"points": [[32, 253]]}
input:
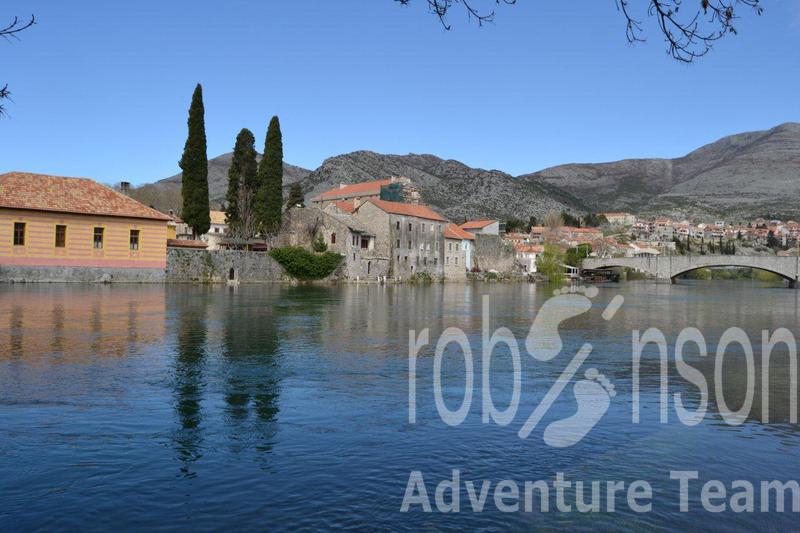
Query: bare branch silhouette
{"points": [[9, 32], [689, 33]]}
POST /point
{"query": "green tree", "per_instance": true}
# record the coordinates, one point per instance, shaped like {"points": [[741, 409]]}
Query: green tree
{"points": [[550, 263], [295, 196], [241, 175], [575, 256], [269, 199], [194, 165]]}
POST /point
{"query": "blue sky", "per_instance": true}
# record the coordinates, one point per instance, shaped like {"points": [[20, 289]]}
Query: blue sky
{"points": [[101, 88]]}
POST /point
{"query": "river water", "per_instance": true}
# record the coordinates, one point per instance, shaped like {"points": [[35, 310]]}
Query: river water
{"points": [[280, 407]]}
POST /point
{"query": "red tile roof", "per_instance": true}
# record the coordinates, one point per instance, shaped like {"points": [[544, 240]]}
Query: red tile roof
{"points": [[366, 188], [185, 243], [452, 231], [410, 210], [476, 224], [39, 192], [347, 207]]}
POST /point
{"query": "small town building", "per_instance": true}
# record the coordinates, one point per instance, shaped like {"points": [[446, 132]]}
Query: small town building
{"points": [[617, 218], [527, 254], [396, 188], [482, 227], [457, 252], [411, 235], [54, 228], [217, 231]]}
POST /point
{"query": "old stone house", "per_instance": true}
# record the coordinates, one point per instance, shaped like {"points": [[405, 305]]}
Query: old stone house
{"points": [[457, 252], [411, 235], [342, 233]]}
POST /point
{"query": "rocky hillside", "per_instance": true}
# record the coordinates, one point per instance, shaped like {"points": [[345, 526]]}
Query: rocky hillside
{"points": [[749, 174], [165, 194], [453, 188], [744, 175]]}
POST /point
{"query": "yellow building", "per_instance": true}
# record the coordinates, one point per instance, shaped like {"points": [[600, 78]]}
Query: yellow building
{"points": [[54, 228]]}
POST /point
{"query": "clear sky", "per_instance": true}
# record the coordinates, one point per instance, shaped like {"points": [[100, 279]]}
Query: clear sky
{"points": [[101, 88]]}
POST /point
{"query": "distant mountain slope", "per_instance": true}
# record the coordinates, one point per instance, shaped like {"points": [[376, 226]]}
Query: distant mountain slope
{"points": [[165, 194], [743, 175], [746, 174], [455, 189]]}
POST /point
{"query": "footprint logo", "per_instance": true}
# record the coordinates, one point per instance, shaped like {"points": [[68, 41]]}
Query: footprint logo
{"points": [[593, 396], [543, 341]]}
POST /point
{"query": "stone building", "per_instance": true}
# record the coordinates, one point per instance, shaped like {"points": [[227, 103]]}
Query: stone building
{"points": [[482, 227], [410, 235], [54, 228], [342, 233], [457, 252], [356, 194]]}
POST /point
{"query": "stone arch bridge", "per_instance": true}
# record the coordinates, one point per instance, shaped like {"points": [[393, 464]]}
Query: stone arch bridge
{"points": [[669, 267]]}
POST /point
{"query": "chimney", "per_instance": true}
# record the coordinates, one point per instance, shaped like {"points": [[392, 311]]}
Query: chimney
{"points": [[125, 187]]}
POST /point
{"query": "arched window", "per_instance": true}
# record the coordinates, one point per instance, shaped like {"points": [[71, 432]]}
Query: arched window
{"points": [[231, 274], [333, 238]]}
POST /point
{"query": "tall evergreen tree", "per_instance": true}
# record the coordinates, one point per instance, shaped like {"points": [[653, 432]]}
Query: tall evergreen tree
{"points": [[241, 174], [295, 196], [194, 165], [269, 200]]}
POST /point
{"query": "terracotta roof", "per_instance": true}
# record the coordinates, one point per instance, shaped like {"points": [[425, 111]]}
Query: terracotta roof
{"points": [[410, 210], [532, 248], [477, 224], [182, 243], [217, 217], [356, 189], [347, 207], [452, 231], [39, 192]]}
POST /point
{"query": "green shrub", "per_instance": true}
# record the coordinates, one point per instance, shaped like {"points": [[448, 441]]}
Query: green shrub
{"points": [[318, 245], [304, 265], [421, 277], [550, 264]]}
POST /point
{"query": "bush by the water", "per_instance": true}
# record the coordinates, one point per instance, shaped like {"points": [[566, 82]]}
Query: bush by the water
{"points": [[304, 265]]}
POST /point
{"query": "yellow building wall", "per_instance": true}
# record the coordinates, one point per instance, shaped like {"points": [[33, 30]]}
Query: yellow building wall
{"points": [[40, 239]]}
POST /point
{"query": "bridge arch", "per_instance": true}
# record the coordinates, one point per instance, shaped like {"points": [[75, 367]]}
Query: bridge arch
{"points": [[670, 267]]}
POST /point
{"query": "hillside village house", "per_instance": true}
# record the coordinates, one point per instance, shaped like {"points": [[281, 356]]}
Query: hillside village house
{"points": [[217, 231], [411, 235], [527, 254], [616, 218], [458, 252], [356, 194], [57, 228], [483, 227]]}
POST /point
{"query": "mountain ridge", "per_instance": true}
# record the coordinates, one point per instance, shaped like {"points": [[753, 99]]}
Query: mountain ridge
{"points": [[745, 174]]}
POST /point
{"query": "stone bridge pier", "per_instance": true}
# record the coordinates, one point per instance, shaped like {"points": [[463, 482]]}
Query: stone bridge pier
{"points": [[669, 267]]}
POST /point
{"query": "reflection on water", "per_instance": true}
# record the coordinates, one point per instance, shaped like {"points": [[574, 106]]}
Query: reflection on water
{"points": [[256, 406]]}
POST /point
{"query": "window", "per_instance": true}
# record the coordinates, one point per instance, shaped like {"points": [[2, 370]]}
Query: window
{"points": [[425, 261], [409, 226], [423, 227], [216, 230], [447, 260], [435, 261], [134, 239], [398, 243], [456, 258], [406, 259], [61, 236], [333, 238], [19, 234], [409, 245], [98, 238], [355, 240], [397, 224], [364, 243], [449, 246]]}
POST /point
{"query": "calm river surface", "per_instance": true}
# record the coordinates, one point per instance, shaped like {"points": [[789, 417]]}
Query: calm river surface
{"points": [[280, 407]]}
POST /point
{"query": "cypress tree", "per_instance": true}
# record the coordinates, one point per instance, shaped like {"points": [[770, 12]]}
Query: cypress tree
{"points": [[270, 179], [295, 196], [194, 165], [242, 173]]}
